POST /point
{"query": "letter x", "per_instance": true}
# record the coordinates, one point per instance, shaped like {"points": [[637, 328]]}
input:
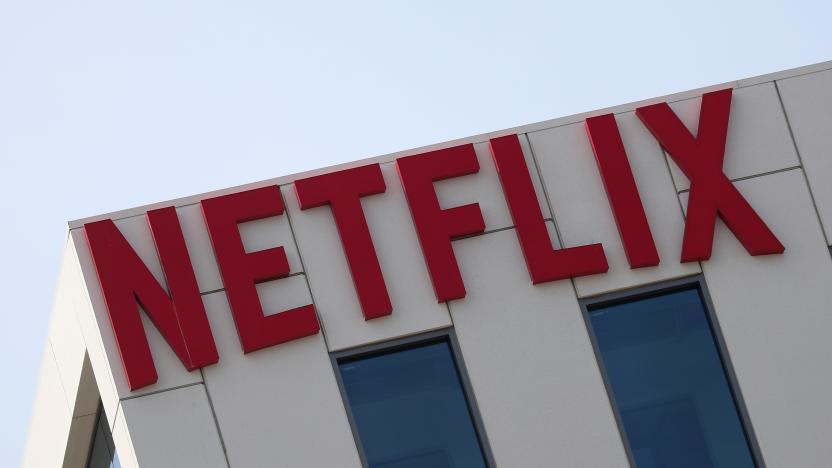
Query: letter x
{"points": [[711, 192]]}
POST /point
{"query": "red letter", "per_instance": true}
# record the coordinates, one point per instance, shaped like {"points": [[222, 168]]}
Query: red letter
{"points": [[622, 192], [241, 271], [711, 192], [125, 279], [544, 262], [342, 191], [437, 227]]}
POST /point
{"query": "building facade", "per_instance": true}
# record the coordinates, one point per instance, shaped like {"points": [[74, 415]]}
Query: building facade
{"points": [[647, 285]]}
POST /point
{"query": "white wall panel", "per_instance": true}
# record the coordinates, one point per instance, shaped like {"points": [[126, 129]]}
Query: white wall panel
{"points": [[758, 136], [529, 358], [66, 338], [415, 308], [582, 211], [774, 312], [279, 406], [49, 426], [174, 428], [808, 103], [59, 435]]}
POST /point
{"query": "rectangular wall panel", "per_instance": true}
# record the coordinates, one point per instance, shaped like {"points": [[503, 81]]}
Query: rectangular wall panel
{"points": [[529, 358], [171, 429], [774, 312], [279, 406], [808, 103], [68, 344], [49, 427]]}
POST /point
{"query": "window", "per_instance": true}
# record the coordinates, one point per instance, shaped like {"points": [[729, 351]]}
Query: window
{"points": [[668, 383], [102, 451], [409, 408]]}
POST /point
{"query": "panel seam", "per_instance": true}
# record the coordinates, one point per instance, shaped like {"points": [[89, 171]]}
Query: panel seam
{"points": [[800, 160], [216, 420], [754, 176], [156, 392]]}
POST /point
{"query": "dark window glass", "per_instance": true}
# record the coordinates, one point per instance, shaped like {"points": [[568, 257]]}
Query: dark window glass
{"points": [[669, 385], [410, 410], [103, 451]]}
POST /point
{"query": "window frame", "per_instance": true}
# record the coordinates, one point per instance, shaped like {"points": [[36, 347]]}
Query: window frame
{"points": [[697, 282], [446, 335]]}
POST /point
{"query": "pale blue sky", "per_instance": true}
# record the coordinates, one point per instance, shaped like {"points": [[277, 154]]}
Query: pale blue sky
{"points": [[106, 105]]}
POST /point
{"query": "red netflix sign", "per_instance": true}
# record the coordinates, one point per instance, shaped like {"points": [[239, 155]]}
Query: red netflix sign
{"points": [[180, 315]]}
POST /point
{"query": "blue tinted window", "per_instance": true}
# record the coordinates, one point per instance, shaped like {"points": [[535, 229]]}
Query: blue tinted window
{"points": [[103, 451], [410, 410], [669, 384]]}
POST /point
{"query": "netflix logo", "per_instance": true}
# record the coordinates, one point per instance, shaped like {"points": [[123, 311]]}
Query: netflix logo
{"points": [[126, 282]]}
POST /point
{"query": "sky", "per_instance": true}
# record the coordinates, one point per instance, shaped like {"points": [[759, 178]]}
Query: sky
{"points": [[106, 105]]}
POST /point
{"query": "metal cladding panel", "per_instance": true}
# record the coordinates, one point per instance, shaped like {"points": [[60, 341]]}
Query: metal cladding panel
{"points": [[531, 364], [51, 418], [808, 103], [174, 429], [774, 314], [278, 406], [67, 341]]}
